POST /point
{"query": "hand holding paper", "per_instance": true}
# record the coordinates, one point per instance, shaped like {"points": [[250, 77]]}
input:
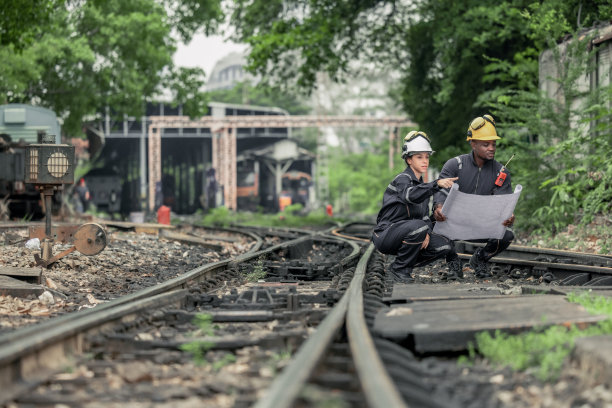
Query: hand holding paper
{"points": [[472, 216]]}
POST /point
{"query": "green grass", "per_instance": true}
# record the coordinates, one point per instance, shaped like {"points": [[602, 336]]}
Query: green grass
{"points": [[542, 351], [595, 237], [291, 217], [278, 358], [259, 272], [318, 397], [199, 348], [228, 358]]}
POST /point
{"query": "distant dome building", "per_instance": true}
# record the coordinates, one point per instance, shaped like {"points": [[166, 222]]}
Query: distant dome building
{"points": [[227, 72]]}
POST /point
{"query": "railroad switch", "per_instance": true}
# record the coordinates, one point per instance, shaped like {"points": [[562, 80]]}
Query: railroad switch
{"points": [[89, 239], [261, 297], [296, 270]]}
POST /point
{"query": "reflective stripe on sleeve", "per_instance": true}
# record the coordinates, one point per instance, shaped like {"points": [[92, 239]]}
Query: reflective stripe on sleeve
{"points": [[418, 231], [407, 194], [442, 248]]}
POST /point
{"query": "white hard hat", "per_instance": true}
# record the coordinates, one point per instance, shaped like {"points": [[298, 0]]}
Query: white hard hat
{"points": [[416, 142]]}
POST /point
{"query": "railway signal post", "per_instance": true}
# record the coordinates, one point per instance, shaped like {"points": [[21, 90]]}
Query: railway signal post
{"points": [[48, 166]]}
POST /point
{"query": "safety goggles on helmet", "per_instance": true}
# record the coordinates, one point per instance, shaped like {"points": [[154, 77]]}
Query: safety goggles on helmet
{"points": [[416, 142], [482, 128], [481, 121], [414, 134]]}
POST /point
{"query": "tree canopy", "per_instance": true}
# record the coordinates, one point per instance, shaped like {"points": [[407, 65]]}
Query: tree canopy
{"points": [[455, 58], [21, 21], [78, 57]]}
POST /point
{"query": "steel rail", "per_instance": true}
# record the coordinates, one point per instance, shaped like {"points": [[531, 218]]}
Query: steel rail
{"points": [[547, 265], [195, 275], [257, 238], [337, 233], [287, 386], [521, 252], [23, 353], [27, 362], [379, 389], [531, 253]]}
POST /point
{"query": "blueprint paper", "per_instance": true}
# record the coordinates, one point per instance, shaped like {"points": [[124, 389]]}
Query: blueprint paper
{"points": [[472, 216]]}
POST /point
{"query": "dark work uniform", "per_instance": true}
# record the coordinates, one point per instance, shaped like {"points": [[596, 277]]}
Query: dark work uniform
{"points": [[481, 181], [403, 223]]}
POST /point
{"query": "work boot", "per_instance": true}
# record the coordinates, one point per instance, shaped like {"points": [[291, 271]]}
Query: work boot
{"points": [[479, 265], [401, 275], [455, 270]]}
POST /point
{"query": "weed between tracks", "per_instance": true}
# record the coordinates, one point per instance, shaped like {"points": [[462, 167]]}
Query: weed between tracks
{"points": [[541, 351], [259, 272], [199, 348]]}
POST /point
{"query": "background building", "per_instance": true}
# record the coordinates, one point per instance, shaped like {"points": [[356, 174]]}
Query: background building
{"points": [[227, 72]]}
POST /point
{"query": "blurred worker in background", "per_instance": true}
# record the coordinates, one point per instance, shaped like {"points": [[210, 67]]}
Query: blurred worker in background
{"points": [[403, 227], [81, 197], [478, 173], [211, 189]]}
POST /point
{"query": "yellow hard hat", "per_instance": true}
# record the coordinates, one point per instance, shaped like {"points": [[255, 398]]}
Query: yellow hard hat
{"points": [[482, 128]]}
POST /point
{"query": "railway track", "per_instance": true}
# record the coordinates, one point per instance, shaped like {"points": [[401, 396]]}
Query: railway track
{"points": [[567, 268], [344, 331], [309, 326], [131, 261], [27, 353]]}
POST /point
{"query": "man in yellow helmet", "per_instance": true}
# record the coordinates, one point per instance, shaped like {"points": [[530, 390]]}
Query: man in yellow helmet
{"points": [[479, 173]]}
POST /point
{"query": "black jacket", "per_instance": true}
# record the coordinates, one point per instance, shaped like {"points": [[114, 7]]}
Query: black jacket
{"points": [[406, 198], [473, 179]]}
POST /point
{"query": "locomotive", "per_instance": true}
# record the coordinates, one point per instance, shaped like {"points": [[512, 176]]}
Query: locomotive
{"points": [[21, 125]]}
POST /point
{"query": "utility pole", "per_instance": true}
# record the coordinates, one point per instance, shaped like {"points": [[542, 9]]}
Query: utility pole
{"points": [[322, 175], [392, 132]]}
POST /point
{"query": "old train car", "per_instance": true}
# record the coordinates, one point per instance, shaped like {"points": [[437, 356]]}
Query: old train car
{"points": [[257, 190], [296, 184], [19, 126], [105, 187]]}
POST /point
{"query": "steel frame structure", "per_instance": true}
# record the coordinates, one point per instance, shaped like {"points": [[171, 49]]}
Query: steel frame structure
{"points": [[224, 131]]}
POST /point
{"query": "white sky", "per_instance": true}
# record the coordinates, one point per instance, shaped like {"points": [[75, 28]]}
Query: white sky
{"points": [[204, 52]]}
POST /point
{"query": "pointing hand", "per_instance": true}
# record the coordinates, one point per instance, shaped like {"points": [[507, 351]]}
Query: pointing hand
{"points": [[447, 182]]}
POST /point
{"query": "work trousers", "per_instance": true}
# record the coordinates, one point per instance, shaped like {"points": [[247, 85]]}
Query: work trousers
{"points": [[494, 246], [404, 239]]}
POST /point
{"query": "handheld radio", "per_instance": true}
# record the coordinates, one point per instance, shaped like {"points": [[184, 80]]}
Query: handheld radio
{"points": [[501, 176]]}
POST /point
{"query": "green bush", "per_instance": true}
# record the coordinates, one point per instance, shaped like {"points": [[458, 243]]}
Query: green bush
{"points": [[291, 217], [562, 145], [543, 351]]}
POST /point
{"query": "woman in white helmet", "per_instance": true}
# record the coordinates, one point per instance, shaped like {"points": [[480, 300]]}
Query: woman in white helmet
{"points": [[403, 227]]}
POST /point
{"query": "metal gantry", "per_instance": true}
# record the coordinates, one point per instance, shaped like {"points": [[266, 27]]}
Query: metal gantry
{"points": [[224, 130]]}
